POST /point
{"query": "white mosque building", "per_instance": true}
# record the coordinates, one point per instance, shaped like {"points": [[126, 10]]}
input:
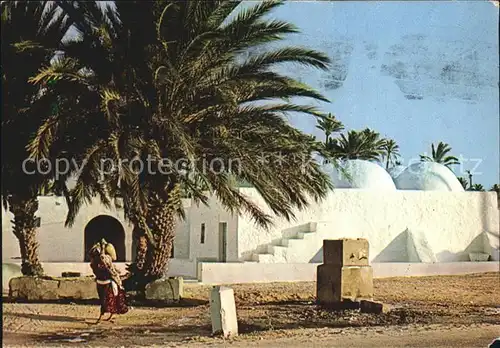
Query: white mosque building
{"points": [[421, 215]]}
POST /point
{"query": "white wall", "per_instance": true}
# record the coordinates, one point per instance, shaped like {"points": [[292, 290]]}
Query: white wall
{"points": [[60, 244], [211, 215], [448, 221], [248, 272], [56, 242]]}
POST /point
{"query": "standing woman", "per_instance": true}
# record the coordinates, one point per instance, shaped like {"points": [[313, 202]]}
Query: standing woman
{"points": [[109, 283]]}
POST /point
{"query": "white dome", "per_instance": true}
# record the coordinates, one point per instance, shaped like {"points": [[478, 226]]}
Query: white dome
{"points": [[428, 176], [395, 171], [362, 175]]}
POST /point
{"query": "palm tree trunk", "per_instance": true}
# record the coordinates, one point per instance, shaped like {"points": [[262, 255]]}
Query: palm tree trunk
{"points": [[141, 252], [25, 229], [141, 248]]}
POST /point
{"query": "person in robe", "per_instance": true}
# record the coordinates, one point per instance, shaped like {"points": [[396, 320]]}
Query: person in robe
{"points": [[109, 283]]}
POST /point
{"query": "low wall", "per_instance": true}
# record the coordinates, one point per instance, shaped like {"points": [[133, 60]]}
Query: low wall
{"points": [[231, 273]]}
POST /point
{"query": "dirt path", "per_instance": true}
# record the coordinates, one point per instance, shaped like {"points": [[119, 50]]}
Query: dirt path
{"points": [[426, 336], [462, 311]]}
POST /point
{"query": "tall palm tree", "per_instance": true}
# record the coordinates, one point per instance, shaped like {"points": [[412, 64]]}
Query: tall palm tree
{"points": [[31, 34], [329, 125], [391, 152], [365, 145], [169, 82], [439, 154]]}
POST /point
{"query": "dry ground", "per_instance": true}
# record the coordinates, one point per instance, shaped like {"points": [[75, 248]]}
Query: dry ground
{"points": [[462, 311]]}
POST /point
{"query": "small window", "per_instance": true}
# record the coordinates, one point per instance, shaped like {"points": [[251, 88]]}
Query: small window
{"points": [[172, 251], [202, 237]]}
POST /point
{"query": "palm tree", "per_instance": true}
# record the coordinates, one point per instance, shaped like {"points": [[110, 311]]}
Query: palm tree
{"points": [[440, 155], [31, 34], [365, 145], [391, 152], [175, 86], [329, 125], [476, 187]]}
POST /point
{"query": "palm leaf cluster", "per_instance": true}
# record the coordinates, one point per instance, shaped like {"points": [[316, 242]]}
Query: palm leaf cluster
{"points": [[366, 145], [166, 80], [440, 154], [329, 125]]}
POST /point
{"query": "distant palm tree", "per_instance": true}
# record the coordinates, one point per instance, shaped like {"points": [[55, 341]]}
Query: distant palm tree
{"points": [[495, 188], [440, 155], [477, 187], [391, 152], [463, 182], [329, 125], [365, 145]]}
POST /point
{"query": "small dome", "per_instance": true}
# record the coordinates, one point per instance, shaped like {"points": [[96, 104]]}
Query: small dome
{"points": [[360, 175], [395, 171], [428, 176]]}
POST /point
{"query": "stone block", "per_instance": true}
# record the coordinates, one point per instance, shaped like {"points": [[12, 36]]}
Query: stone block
{"points": [[335, 284], [367, 306], [357, 282], [346, 252], [165, 290], [223, 311], [52, 289], [83, 288]]}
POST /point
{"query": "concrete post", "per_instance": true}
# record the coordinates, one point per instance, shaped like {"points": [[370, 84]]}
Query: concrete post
{"points": [[223, 311], [345, 276]]}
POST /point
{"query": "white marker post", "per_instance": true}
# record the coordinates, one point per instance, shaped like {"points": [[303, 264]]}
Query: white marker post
{"points": [[223, 311]]}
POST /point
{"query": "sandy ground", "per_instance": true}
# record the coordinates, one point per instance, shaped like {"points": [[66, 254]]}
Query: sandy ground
{"points": [[458, 311]]}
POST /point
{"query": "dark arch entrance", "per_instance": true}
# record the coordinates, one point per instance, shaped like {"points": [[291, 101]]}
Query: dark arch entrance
{"points": [[109, 228]]}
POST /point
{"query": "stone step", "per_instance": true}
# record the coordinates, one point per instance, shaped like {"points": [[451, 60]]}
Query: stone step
{"points": [[292, 243], [264, 258], [273, 253], [276, 250], [307, 235], [301, 236]]}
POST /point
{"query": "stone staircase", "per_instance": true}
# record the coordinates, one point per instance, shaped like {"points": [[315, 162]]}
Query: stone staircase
{"points": [[299, 244]]}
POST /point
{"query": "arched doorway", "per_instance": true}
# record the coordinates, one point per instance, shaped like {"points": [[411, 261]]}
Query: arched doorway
{"points": [[109, 228]]}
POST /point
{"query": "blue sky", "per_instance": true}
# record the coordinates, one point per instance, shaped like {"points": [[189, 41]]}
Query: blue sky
{"points": [[446, 54]]}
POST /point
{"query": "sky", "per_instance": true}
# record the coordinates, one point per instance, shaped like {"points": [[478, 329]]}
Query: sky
{"points": [[418, 72]]}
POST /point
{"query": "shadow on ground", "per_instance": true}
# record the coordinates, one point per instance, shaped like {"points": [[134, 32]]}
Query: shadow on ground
{"points": [[46, 317]]}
